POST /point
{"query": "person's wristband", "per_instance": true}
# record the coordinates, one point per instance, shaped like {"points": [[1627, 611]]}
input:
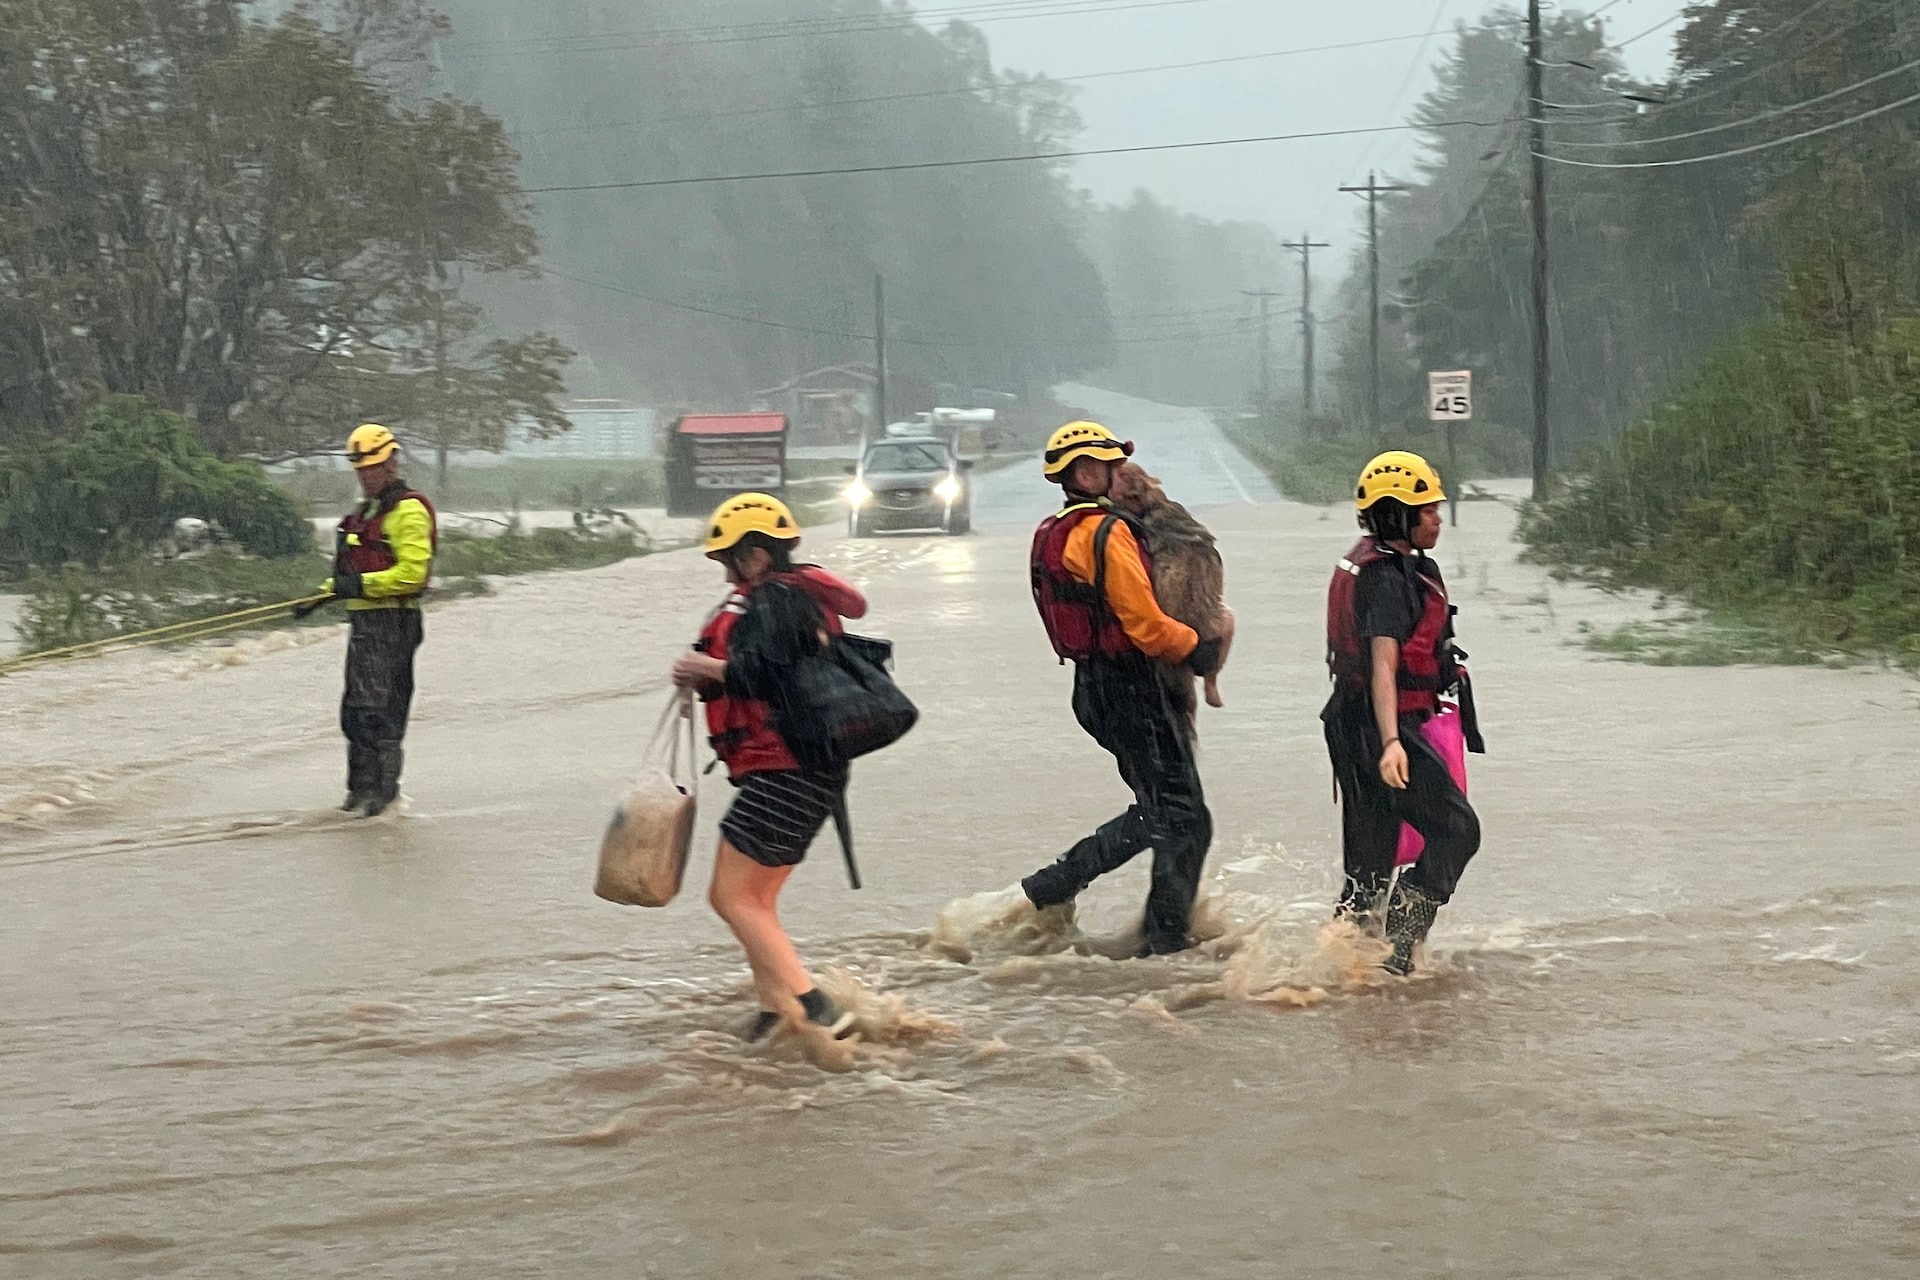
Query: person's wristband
{"points": [[1389, 742]]}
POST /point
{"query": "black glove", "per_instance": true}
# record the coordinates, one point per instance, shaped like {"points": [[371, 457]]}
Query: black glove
{"points": [[346, 586], [1205, 658]]}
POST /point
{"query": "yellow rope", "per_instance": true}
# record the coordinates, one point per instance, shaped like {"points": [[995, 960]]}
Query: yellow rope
{"points": [[174, 632]]}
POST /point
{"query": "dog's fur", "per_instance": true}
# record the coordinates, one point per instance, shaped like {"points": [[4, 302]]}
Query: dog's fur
{"points": [[1188, 578]]}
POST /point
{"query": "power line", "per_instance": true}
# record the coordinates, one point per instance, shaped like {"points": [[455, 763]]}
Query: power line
{"points": [[1029, 157], [1612, 104], [700, 310], [1664, 22], [1686, 101], [922, 94], [1433, 29], [1742, 151], [1406, 82], [1774, 114]]}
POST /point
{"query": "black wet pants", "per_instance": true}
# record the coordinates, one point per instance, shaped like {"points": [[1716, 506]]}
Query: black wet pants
{"points": [[1125, 709], [1371, 813], [379, 694]]}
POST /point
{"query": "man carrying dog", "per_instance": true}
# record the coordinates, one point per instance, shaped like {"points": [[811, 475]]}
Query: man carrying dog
{"points": [[1092, 580]]}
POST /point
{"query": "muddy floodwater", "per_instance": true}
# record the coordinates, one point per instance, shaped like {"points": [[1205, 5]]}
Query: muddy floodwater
{"points": [[1671, 1028]]}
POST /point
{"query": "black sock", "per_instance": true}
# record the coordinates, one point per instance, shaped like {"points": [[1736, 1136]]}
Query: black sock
{"points": [[813, 1002]]}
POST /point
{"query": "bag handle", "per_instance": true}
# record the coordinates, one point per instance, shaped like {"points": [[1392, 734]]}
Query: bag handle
{"points": [[669, 737]]}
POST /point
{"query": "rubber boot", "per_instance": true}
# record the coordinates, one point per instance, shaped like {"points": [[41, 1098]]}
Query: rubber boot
{"points": [[1052, 885], [363, 768], [1362, 905], [1409, 917], [1112, 843], [386, 788]]}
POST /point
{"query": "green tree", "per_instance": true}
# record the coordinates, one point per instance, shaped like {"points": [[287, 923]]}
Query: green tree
{"points": [[235, 218]]}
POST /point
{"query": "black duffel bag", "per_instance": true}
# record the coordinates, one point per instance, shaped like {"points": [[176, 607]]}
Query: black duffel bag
{"points": [[839, 704]]}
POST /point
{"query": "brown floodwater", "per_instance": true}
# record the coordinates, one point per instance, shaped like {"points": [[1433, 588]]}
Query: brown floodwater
{"points": [[1671, 1026]]}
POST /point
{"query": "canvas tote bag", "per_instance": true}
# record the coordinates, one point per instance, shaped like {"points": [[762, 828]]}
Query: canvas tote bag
{"points": [[643, 856]]}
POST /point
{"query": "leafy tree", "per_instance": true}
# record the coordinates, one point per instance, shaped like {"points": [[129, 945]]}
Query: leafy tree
{"points": [[1652, 268], [238, 219]]}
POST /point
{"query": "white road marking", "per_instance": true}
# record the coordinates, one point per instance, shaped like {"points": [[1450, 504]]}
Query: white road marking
{"points": [[1222, 462]]}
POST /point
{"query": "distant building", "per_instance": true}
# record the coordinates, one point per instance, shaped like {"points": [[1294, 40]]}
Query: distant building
{"points": [[824, 406], [603, 430]]}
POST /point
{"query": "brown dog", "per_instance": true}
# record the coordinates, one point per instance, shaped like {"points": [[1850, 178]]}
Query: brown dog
{"points": [[1188, 578]]}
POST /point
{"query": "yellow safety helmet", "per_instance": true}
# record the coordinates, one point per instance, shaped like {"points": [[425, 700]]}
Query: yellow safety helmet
{"points": [[1398, 474], [746, 513], [1082, 440], [370, 445]]}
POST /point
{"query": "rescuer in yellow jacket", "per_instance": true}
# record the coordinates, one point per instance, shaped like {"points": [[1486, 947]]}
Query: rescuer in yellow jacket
{"points": [[382, 560], [1093, 582]]}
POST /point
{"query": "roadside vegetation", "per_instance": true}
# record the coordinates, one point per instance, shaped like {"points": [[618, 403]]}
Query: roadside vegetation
{"points": [[75, 604], [88, 533], [1779, 489], [1323, 469]]}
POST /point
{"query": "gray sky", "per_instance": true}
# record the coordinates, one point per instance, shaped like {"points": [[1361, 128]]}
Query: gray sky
{"points": [[1289, 185]]}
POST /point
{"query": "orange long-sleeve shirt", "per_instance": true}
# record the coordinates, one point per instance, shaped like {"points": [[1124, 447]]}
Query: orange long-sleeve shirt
{"points": [[1129, 591]]}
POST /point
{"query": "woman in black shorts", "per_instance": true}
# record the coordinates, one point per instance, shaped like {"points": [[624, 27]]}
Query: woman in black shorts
{"points": [[777, 613]]}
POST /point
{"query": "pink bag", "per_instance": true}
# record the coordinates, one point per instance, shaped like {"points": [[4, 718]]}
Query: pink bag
{"points": [[1445, 734]]}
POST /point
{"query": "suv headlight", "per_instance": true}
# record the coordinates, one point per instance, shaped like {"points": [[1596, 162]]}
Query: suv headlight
{"points": [[857, 494], [947, 490]]}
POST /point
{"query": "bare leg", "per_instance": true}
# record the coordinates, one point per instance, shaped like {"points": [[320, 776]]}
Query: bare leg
{"points": [[1226, 644], [745, 895]]}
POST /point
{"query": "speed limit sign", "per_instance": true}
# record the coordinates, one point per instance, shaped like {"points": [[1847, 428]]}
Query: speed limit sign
{"points": [[1450, 396]]}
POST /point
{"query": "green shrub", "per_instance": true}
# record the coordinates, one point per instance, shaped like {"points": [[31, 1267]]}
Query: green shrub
{"points": [[116, 489], [1782, 481]]}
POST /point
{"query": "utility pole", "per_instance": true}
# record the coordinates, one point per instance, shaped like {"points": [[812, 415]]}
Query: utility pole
{"points": [[1373, 191], [879, 358], [1537, 144], [1266, 297], [1305, 246]]}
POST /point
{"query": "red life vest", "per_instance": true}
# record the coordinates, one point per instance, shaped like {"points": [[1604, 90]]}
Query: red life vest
{"points": [[1427, 666], [360, 547], [741, 729], [1079, 620]]}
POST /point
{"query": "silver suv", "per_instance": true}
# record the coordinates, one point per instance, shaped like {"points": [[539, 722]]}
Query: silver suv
{"points": [[910, 483]]}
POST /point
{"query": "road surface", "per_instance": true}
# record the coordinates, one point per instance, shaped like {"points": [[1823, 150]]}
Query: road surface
{"points": [[1672, 1028]]}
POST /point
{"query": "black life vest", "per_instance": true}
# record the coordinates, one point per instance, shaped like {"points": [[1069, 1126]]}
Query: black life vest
{"points": [[1079, 620], [359, 542], [1428, 666]]}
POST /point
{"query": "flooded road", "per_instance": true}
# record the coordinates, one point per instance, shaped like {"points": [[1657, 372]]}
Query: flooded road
{"points": [[1673, 1027]]}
